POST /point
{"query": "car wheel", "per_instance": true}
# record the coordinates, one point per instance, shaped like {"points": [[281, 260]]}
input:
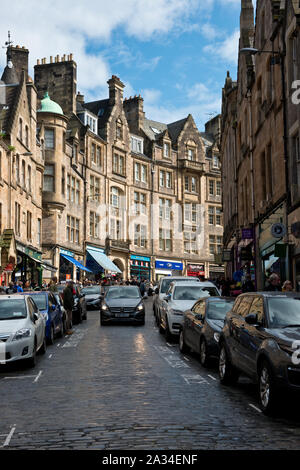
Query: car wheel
{"points": [[183, 347], [51, 339], [227, 373], [32, 361], [268, 396], [43, 348], [204, 358]]}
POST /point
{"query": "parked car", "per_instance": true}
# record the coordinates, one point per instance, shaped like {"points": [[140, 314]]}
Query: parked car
{"points": [[202, 325], [122, 303], [161, 290], [92, 297], [22, 329], [179, 297], [51, 311], [260, 338], [79, 311]]}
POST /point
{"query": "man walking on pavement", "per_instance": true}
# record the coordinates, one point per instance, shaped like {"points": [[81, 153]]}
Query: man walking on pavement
{"points": [[68, 305]]}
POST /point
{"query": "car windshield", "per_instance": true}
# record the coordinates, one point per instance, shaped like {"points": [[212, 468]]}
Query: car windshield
{"points": [[12, 309], [123, 293], [188, 293], [91, 290], [217, 310], [165, 284], [213, 291], [41, 301], [284, 311]]}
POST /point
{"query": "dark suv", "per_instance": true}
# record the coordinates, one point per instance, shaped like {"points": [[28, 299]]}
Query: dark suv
{"points": [[261, 338]]}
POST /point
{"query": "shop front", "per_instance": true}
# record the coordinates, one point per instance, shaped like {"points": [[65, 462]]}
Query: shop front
{"points": [[99, 263], [8, 256], [196, 270], [167, 268], [272, 251], [69, 267], [29, 265], [140, 267]]}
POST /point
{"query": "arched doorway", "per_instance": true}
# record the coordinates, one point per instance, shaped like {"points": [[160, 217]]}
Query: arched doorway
{"points": [[119, 264]]}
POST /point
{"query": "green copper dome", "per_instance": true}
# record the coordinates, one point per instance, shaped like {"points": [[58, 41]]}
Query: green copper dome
{"points": [[49, 106]]}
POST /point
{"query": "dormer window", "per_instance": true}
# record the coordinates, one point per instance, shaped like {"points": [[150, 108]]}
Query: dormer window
{"points": [[167, 150], [90, 120], [191, 154], [136, 144]]}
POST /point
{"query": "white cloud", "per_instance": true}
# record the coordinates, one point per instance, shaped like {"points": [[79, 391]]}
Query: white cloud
{"points": [[226, 50]]}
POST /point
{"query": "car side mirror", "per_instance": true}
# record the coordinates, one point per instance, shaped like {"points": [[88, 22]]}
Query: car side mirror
{"points": [[252, 319], [35, 316]]}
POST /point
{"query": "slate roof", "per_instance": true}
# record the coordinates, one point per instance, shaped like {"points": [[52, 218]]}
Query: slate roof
{"points": [[173, 129]]}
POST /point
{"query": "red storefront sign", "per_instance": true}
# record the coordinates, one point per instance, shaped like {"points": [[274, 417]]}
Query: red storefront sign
{"points": [[195, 270]]}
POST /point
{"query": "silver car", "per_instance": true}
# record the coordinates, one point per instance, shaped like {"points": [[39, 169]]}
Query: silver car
{"points": [[180, 297], [161, 290], [22, 329]]}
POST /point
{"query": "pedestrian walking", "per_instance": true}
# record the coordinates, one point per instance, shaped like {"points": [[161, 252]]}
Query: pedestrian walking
{"points": [[68, 299], [287, 286], [273, 283], [248, 285], [53, 285]]}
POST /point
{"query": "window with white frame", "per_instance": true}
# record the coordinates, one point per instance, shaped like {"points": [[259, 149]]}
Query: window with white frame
{"points": [[165, 209], [190, 240], [165, 239], [119, 164], [140, 172], [94, 224], [165, 179], [137, 144], [139, 203], [140, 235], [167, 153]]}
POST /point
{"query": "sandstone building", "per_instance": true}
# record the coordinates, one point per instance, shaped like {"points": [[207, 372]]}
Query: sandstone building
{"points": [[121, 193]]}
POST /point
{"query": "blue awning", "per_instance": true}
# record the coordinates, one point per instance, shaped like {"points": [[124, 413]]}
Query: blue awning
{"points": [[74, 261], [104, 261]]}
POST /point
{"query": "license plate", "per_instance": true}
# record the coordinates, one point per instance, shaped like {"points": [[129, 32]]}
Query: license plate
{"points": [[122, 315]]}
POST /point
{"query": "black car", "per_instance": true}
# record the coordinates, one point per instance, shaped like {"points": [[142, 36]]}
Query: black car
{"points": [[122, 303], [79, 311], [260, 338], [92, 297], [202, 326]]}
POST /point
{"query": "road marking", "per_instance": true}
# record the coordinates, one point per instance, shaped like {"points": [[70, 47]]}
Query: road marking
{"points": [[176, 362], [163, 349], [58, 345], [186, 358], [214, 378], [9, 436], [255, 407], [198, 379], [50, 356], [38, 376], [170, 345]]}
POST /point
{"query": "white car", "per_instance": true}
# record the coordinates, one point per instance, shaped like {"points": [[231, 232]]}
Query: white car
{"points": [[161, 291], [180, 297], [22, 329]]}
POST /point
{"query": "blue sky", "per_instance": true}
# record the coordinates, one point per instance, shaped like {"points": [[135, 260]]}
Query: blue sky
{"points": [[175, 53]]}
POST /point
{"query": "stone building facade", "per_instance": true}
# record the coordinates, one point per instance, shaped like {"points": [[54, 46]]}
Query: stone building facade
{"points": [[260, 141], [21, 172], [122, 193]]}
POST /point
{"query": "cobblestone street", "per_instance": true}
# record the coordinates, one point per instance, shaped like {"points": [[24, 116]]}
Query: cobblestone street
{"points": [[124, 387]]}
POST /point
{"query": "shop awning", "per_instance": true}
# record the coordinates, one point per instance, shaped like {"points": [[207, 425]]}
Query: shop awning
{"points": [[74, 261], [48, 267], [104, 261]]}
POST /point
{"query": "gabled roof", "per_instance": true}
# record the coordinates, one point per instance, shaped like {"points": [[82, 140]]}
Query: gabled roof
{"points": [[174, 129]]}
